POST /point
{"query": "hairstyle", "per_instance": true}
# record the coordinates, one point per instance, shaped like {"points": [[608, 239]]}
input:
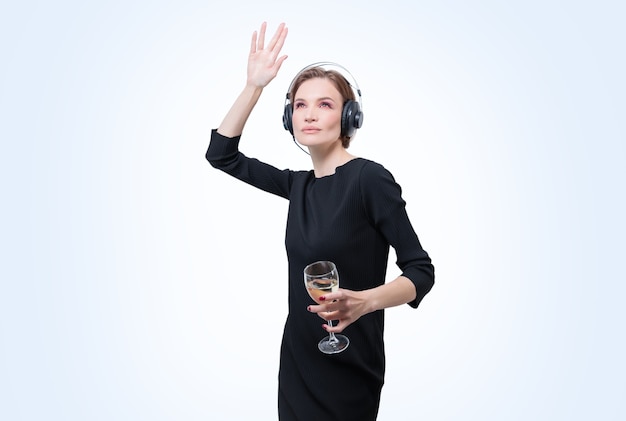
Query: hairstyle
{"points": [[336, 78]]}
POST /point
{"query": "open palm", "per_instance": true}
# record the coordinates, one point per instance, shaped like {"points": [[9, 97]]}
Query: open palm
{"points": [[264, 62]]}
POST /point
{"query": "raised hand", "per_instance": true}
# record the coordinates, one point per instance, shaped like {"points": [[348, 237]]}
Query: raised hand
{"points": [[263, 65], [263, 61]]}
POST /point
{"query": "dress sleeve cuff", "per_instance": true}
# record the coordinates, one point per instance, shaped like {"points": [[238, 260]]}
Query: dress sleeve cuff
{"points": [[221, 147], [423, 283]]}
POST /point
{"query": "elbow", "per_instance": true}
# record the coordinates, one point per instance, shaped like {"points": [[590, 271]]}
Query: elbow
{"points": [[222, 152], [212, 160], [218, 161]]}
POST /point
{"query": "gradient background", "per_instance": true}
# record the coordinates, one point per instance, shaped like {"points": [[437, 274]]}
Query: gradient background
{"points": [[137, 283]]}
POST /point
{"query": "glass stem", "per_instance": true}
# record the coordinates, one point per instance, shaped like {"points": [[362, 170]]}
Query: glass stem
{"points": [[331, 336]]}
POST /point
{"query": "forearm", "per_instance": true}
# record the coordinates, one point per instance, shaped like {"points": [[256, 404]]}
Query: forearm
{"points": [[236, 118], [397, 292]]}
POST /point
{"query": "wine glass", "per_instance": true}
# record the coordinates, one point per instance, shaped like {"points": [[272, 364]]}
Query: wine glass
{"points": [[321, 278]]}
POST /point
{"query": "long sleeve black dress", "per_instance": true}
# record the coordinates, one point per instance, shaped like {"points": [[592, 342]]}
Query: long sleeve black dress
{"points": [[350, 218]]}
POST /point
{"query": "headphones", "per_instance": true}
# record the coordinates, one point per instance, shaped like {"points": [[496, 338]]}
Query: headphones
{"points": [[351, 113]]}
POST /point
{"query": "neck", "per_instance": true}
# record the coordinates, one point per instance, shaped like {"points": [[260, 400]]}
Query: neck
{"points": [[326, 160]]}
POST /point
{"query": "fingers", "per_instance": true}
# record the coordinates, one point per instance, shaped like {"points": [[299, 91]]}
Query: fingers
{"points": [[253, 43], [279, 63], [328, 314], [332, 303], [333, 296], [317, 309], [278, 39], [328, 311], [262, 36], [276, 43], [338, 328]]}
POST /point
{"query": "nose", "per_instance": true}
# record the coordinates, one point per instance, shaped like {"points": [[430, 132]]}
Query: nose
{"points": [[310, 115]]}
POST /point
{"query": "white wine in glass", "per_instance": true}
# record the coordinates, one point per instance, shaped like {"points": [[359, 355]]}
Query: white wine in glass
{"points": [[321, 278]]}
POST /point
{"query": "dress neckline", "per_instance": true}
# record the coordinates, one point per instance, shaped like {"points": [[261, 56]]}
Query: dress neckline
{"points": [[337, 169]]}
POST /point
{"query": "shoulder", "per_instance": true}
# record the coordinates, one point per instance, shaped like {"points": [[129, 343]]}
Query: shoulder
{"points": [[373, 173], [379, 192], [377, 182]]}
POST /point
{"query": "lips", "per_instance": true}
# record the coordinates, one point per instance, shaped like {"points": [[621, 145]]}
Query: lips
{"points": [[310, 129]]}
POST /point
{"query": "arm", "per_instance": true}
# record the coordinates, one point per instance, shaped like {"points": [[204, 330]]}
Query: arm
{"points": [[386, 211], [263, 66], [399, 291]]}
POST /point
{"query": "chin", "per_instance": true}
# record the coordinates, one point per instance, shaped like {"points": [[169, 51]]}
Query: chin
{"points": [[313, 140]]}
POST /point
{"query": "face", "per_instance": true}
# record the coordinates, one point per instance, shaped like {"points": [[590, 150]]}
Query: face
{"points": [[317, 108]]}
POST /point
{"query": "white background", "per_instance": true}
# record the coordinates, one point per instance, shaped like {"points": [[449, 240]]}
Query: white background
{"points": [[138, 283]]}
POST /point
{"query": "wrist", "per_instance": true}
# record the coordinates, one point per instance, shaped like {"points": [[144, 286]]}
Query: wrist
{"points": [[372, 303], [253, 86]]}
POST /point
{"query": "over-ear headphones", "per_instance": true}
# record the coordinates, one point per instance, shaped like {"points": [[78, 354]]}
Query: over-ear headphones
{"points": [[351, 114]]}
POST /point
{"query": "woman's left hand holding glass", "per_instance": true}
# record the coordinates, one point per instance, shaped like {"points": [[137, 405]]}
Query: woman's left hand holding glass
{"points": [[344, 305]]}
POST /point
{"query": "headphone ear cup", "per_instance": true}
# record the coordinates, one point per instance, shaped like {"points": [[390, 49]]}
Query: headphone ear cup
{"points": [[351, 118], [288, 117]]}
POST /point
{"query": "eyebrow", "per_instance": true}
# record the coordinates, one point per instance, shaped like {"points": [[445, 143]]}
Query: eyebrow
{"points": [[325, 98]]}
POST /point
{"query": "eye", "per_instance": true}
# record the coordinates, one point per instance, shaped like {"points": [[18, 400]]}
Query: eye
{"points": [[298, 105], [326, 104]]}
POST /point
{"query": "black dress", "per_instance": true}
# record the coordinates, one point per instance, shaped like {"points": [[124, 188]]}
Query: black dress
{"points": [[350, 218]]}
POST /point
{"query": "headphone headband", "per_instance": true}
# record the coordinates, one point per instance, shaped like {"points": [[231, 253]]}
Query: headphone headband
{"points": [[328, 65]]}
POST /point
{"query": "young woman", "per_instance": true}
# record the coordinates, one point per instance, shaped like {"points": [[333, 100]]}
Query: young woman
{"points": [[348, 210]]}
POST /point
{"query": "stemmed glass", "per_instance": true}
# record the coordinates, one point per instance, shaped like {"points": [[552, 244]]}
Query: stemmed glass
{"points": [[321, 278]]}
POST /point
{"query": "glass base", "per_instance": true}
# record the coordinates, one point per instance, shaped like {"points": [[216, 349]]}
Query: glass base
{"points": [[328, 346]]}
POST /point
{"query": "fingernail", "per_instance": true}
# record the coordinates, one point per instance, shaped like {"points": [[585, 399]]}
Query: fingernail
{"points": [[308, 308], [322, 298]]}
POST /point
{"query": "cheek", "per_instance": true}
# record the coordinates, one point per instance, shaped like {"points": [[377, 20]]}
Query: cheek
{"points": [[298, 116], [334, 119]]}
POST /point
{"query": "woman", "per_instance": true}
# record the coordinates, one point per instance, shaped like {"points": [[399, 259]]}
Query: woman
{"points": [[348, 210]]}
